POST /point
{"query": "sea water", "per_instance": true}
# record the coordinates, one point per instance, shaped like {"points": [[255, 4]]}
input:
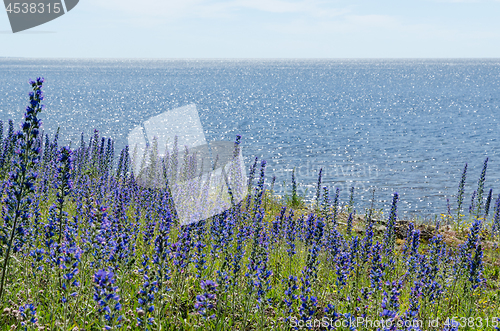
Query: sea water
{"points": [[406, 126]]}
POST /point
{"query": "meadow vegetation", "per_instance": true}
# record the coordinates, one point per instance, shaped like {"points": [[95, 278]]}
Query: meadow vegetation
{"points": [[84, 246]]}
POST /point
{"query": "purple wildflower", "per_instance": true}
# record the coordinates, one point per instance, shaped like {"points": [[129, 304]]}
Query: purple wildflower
{"points": [[206, 303], [106, 296]]}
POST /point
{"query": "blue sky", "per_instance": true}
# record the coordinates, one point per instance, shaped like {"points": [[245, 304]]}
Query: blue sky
{"points": [[264, 29]]}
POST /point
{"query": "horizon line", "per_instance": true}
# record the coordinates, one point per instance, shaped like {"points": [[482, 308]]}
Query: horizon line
{"points": [[246, 59]]}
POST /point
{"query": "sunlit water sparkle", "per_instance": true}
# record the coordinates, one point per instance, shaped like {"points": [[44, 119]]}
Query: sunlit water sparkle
{"points": [[396, 125]]}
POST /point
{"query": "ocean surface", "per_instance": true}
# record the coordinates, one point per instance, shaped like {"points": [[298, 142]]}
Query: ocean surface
{"points": [[406, 126]]}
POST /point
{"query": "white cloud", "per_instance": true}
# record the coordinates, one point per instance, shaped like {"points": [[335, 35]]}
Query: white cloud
{"points": [[217, 9], [315, 28], [345, 25], [310, 7], [379, 21]]}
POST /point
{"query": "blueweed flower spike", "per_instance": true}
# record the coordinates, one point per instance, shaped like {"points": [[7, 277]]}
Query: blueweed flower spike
{"points": [[206, 302], [411, 252], [251, 176], [200, 256], [290, 296], [473, 236], [496, 219], [351, 200], [309, 277], [472, 205], [409, 235], [107, 298], [291, 232], [273, 182], [1, 130], [238, 255], [480, 188], [468, 248], [262, 280], [335, 208], [259, 190], [20, 184], [390, 236], [349, 224], [460, 195], [367, 243], [488, 203], [69, 259], [277, 226], [325, 205], [390, 301], [310, 227], [476, 268], [237, 143], [318, 189], [295, 201], [377, 268], [8, 149], [413, 310], [63, 184], [146, 299], [430, 266]]}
